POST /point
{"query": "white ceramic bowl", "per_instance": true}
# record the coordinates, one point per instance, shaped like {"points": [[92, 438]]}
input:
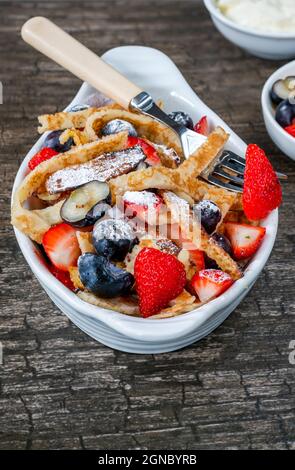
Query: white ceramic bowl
{"points": [[266, 45], [157, 74], [280, 137]]}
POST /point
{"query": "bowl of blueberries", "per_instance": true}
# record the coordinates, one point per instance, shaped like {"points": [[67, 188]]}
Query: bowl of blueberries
{"points": [[278, 107]]}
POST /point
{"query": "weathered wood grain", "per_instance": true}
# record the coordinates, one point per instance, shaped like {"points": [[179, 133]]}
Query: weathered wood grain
{"points": [[61, 390]]}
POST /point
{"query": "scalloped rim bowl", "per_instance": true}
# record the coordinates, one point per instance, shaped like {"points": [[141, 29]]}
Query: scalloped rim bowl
{"points": [[280, 137], [155, 72], [268, 45]]}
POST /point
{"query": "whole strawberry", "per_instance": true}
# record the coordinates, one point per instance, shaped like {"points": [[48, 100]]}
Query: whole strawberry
{"points": [[45, 154], [262, 191], [159, 278]]}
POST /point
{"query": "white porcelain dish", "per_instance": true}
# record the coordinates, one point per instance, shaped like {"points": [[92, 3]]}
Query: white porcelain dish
{"points": [[156, 73], [280, 137], [266, 45]]}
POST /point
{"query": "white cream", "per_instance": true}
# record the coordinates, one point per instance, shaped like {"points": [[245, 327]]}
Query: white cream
{"points": [[263, 15]]}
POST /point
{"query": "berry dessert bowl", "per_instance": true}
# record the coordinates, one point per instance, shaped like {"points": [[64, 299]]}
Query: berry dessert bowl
{"points": [[273, 45], [278, 108], [156, 73]]}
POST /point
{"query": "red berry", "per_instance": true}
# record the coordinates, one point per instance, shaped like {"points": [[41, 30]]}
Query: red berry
{"points": [[202, 126], [245, 239], [210, 283], [44, 154], [142, 204], [262, 190], [159, 278], [291, 130], [62, 276], [61, 246], [152, 156]]}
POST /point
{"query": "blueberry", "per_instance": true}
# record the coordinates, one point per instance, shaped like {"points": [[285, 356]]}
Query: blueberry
{"points": [[78, 107], [118, 125], [224, 243], [52, 141], [209, 213], [182, 118], [113, 238], [285, 112], [102, 277]]}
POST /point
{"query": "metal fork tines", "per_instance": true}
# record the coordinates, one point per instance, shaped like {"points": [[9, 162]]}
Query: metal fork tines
{"points": [[228, 172]]}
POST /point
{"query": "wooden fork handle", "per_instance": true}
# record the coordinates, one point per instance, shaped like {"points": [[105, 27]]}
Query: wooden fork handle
{"points": [[59, 46]]}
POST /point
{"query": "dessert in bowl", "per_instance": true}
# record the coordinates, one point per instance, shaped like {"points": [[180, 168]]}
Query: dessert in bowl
{"points": [[278, 108], [264, 28], [156, 294]]}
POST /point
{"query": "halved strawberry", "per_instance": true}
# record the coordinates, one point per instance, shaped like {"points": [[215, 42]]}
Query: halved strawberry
{"points": [[197, 257], [245, 239], [290, 130], [62, 276], [152, 156], [61, 246], [202, 126], [45, 154], [210, 283], [143, 204]]}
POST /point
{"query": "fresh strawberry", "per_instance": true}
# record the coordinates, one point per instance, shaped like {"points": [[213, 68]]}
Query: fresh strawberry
{"points": [[61, 246], [44, 154], [197, 257], [290, 130], [202, 126], [159, 278], [62, 276], [262, 191], [245, 239], [210, 283], [152, 156], [142, 204]]}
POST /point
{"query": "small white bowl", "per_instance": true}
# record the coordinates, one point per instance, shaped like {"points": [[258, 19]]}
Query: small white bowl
{"points": [[280, 137], [157, 74], [266, 45]]}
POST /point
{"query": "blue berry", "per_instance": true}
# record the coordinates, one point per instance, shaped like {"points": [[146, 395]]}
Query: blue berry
{"points": [[113, 238], [102, 277], [119, 125], [52, 141], [209, 213], [224, 243], [285, 113]]}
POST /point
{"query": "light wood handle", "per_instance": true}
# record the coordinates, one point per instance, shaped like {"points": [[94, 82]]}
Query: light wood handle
{"points": [[59, 46]]}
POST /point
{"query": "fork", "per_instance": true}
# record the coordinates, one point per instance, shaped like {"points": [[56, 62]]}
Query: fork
{"points": [[59, 46]]}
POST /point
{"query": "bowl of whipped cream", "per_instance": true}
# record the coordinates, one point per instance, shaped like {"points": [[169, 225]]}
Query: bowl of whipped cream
{"points": [[265, 28]]}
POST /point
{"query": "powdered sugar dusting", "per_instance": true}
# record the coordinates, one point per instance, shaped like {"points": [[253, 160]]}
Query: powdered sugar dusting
{"points": [[102, 168], [112, 229], [167, 246], [215, 275], [169, 152], [142, 198], [207, 207]]}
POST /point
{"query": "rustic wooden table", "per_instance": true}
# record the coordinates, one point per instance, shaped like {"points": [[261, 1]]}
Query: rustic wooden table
{"points": [[59, 388]]}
